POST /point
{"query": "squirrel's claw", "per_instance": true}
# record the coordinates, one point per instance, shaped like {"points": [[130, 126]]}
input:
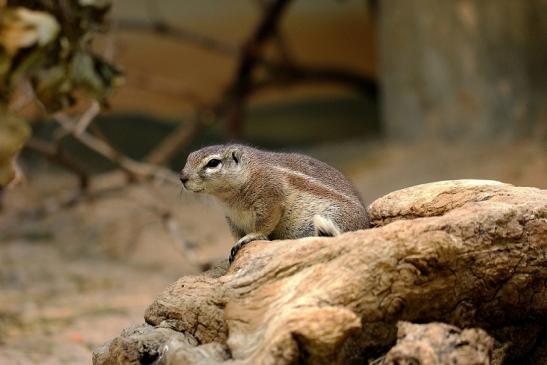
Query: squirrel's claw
{"points": [[234, 251], [246, 239]]}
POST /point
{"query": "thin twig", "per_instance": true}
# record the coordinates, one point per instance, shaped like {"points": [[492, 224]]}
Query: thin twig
{"points": [[251, 55], [169, 223], [87, 117], [178, 34], [55, 154], [66, 201], [134, 168], [288, 74], [173, 143], [281, 73], [25, 97]]}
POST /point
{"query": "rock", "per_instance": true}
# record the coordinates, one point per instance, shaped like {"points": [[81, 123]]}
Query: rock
{"points": [[469, 253]]}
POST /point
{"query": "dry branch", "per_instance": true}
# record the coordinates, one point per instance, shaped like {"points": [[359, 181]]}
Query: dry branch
{"points": [[171, 144], [54, 153], [178, 34], [281, 73], [233, 100], [134, 168], [251, 54], [290, 73], [467, 253]]}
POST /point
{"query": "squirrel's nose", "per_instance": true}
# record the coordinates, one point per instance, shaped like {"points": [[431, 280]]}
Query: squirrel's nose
{"points": [[183, 178]]}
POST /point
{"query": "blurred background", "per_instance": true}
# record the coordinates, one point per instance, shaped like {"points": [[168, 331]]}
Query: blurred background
{"points": [[393, 93]]}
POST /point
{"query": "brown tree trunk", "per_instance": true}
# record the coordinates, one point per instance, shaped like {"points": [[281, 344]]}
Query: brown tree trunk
{"points": [[464, 69]]}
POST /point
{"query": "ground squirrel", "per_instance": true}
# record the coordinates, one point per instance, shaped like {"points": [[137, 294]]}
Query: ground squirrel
{"points": [[270, 195]]}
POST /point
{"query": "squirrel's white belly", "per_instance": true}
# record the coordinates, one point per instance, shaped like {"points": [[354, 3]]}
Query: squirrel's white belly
{"points": [[244, 219]]}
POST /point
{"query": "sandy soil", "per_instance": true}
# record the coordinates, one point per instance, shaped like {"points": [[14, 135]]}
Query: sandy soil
{"points": [[72, 279]]}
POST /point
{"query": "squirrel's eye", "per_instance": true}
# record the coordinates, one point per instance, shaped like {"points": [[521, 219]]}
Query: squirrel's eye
{"points": [[213, 163]]}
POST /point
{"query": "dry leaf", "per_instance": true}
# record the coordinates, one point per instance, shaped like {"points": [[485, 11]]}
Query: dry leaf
{"points": [[22, 28]]}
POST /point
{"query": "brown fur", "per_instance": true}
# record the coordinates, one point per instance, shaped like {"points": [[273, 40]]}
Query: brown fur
{"points": [[275, 195]]}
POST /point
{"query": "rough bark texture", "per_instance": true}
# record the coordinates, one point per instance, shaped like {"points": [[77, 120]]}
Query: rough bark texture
{"points": [[468, 253], [141, 344], [439, 343]]}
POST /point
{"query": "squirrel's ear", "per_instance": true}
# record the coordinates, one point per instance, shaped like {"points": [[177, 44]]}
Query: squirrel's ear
{"points": [[236, 155]]}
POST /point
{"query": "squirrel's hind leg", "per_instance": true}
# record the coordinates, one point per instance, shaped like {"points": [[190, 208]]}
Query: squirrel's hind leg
{"points": [[324, 227]]}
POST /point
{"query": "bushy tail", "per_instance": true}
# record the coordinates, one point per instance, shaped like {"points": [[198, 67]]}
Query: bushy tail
{"points": [[324, 227]]}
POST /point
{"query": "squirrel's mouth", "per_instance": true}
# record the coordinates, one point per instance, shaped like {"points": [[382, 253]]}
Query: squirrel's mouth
{"points": [[189, 188]]}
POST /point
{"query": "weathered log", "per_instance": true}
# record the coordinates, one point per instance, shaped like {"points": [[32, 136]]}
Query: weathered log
{"points": [[141, 344], [468, 253], [439, 343]]}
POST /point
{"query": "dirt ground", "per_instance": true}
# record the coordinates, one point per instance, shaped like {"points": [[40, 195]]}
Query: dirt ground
{"points": [[73, 278]]}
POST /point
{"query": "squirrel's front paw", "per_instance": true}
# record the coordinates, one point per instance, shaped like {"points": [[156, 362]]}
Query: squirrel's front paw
{"points": [[234, 251], [248, 238]]}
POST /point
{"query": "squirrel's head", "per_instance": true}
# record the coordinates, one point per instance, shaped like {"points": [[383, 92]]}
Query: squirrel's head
{"points": [[215, 169]]}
